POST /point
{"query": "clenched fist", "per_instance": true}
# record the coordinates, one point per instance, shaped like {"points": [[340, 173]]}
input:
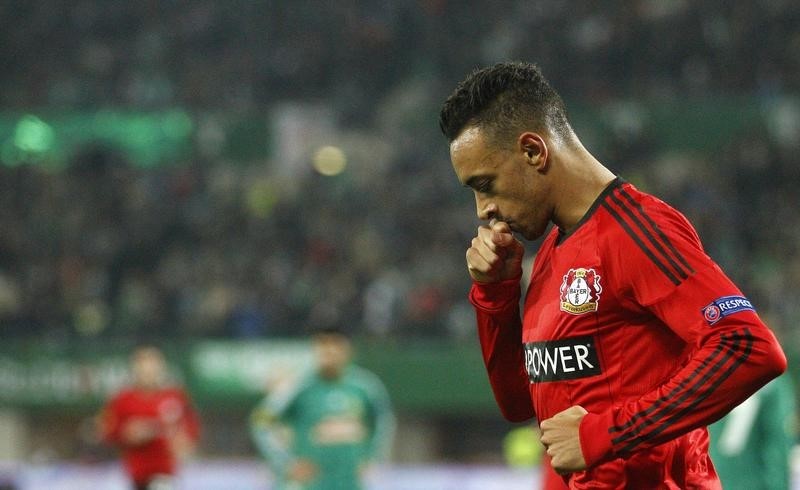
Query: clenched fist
{"points": [[495, 255], [561, 437]]}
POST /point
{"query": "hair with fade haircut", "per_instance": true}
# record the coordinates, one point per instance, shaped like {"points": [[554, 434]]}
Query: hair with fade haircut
{"points": [[504, 99]]}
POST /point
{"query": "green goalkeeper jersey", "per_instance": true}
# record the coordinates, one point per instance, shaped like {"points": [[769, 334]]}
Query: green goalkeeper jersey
{"points": [[340, 426], [750, 447]]}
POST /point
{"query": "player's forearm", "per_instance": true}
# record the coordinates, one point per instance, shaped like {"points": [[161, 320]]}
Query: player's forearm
{"points": [[382, 436], [729, 367], [110, 434], [192, 424], [500, 335], [274, 452], [504, 361]]}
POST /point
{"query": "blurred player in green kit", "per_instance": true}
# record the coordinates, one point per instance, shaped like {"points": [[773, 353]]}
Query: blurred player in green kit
{"points": [[326, 431], [751, 446]]}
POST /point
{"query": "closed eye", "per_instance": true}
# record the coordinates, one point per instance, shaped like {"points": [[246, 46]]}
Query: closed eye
{"points": [[481, 184], [484, 187]]}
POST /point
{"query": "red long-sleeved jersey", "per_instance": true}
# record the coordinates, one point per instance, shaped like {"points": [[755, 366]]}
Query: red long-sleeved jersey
{"points": [[167, 412], [629, 318]]}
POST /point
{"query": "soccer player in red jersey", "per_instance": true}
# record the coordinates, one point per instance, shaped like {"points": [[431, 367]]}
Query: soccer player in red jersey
{"points": [[631, 339], [153, 425]]}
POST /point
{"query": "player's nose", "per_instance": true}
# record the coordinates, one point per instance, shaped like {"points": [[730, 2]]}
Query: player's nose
{"points": [[486, 211]]}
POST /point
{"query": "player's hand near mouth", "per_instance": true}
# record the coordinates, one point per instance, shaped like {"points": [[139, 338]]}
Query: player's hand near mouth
{"points": [[495, 254]]}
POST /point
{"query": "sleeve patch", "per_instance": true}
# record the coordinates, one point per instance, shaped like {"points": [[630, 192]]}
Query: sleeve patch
{"points": [[724, 306]]}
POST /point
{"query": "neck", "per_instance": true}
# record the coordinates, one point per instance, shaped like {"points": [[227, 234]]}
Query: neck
{"points": [[582, 178]]}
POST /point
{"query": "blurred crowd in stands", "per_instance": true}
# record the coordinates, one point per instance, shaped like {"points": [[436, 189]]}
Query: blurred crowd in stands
{"points": [[105, 248]]}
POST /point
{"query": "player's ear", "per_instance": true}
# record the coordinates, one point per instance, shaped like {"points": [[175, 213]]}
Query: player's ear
{"points": [[534, 149]]}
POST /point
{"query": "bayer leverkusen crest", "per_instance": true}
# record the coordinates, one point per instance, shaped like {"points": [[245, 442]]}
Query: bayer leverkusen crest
{"points": [[580, 291]]}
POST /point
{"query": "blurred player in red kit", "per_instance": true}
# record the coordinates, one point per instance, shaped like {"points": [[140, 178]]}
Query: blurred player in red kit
{"points": [[631, 339], [152, 424]]}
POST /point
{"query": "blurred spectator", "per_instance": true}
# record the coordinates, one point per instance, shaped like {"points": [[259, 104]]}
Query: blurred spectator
{"points": [[107, 248]]}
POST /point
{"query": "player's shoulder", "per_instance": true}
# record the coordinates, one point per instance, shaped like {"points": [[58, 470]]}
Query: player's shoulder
{"points": [[647, 243], [644, 218], [123, 399], [175, 392], [362, 374], [364, 378], [123, 394], [286, 391]]}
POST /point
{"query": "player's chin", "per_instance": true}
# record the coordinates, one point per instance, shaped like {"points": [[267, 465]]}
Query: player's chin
{"points": [[521, 230], [528, 233], [515, 228]]}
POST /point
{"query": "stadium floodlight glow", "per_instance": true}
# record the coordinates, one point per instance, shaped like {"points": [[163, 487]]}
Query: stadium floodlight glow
{"points": [[33, 135], [330, 160]]}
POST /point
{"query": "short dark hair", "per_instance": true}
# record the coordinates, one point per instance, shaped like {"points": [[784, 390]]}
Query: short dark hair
{"points": [[502, 99], [331, 331]]}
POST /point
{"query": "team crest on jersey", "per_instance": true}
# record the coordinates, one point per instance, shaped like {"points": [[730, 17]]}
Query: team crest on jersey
{"points": [[580, 291]]}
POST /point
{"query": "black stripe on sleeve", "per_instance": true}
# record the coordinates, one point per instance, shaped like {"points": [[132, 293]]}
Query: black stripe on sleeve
{"points": [[639, 242], [658, 230], [733, 349], [677, 268], [665, 398], [636, 431]]}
